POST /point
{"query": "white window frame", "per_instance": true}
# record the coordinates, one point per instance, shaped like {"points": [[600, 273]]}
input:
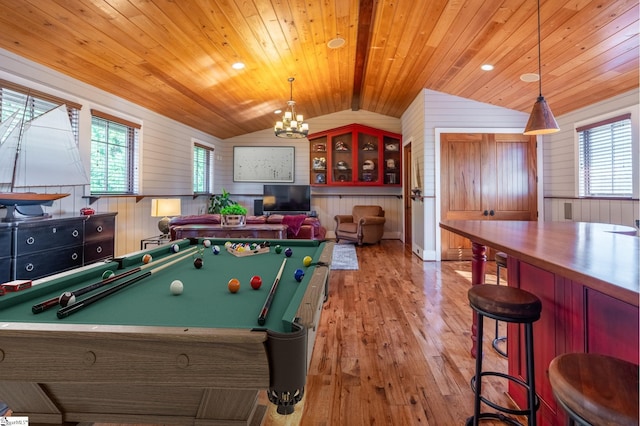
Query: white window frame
{"points": [[210, 166], [621, 164], [133, 154]]}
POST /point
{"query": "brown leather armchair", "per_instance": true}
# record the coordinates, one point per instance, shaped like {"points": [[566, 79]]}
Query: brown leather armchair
{"points": [[365, 224]]}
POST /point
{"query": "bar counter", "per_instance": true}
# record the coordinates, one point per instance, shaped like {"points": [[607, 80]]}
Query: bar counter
{"points": [[601, 256], [587, 276]]}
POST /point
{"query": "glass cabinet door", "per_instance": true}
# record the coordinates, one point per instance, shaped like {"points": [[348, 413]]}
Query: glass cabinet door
{"points": [[342, 158], [318, 164], [391, 147], [368, 161]]}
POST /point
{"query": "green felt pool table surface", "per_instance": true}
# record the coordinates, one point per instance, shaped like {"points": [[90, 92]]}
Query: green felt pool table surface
{"points": [[206, 300]]}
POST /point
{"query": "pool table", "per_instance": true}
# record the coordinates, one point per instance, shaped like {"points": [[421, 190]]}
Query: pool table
{"points": [[144, 355]]}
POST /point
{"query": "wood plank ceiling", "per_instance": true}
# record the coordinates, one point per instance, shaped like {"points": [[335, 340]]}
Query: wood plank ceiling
{"points": [[175, 57]]}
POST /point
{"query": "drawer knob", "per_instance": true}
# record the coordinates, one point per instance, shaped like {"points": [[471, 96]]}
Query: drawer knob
{"points": [[99, 228], [99, 249], [74, 256], [29, 267], [75, 233], [31, 240]]}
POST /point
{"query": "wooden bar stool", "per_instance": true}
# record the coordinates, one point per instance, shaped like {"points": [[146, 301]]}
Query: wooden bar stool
{"points": [[501, 262], [508, 304], [595, 389]]}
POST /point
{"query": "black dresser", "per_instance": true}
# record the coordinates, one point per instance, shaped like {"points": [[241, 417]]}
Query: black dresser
{"points": [[5, 252], [44, 247]]}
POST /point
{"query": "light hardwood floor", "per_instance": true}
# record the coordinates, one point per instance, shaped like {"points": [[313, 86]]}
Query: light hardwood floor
{"points": [[393, 346]]}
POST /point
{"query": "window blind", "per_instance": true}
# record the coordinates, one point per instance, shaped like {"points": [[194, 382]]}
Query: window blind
{"points": [[605, 165]]}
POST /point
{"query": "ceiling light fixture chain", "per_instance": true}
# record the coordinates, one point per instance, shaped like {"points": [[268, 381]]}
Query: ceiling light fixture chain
{"points": [[541, 121], [292, 125]]}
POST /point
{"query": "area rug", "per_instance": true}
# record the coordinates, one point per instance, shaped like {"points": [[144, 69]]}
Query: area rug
{"points": [[344, 257]]}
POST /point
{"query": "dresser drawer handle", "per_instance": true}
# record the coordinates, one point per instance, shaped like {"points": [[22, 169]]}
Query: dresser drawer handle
{"points": [[99, 228], [31, 240], [28, 267], [74, 256], [99, 249], [75, 233]]}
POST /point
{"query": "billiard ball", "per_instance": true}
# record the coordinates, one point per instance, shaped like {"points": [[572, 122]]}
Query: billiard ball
{"points": [[306, 261], [278, 249], [233, 285], [198, 262], [206, 243], [215, 249], [227, 244], [107, 274], [67, 298], [146, 258], [175, 248], [176, 287], [256, 282], [288, 252], [298, 275]]}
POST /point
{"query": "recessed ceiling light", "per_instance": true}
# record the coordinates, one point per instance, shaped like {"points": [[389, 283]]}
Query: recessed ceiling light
{"points": [[238, 66], [486, 67], [336, 43], [278, 111], [530, 77]]}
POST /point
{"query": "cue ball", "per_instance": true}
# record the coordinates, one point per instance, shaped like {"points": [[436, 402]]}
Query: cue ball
{"points": [[306, 261], [198, 262], [67, 298], [146, 258], [175, 248], [233, 285], [298, 275], [216, 249], [206, 243], [107, 274], [256, 282], [288, 252], [278, 249], [176, 287]]}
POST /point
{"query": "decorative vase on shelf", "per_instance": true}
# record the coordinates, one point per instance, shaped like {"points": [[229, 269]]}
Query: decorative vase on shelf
{"points": [[233, 216]]}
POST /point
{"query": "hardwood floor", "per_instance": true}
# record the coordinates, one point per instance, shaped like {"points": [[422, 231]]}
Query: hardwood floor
{"points": [[393, 346]]}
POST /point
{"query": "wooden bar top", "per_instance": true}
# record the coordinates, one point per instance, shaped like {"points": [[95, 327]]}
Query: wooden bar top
{"points": [[600, 256]]}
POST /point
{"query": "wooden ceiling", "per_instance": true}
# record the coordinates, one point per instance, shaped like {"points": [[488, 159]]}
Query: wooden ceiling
{"points": [[175, 57]]}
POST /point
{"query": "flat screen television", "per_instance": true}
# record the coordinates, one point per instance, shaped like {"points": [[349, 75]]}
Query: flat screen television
{"points": [[286, 199]]}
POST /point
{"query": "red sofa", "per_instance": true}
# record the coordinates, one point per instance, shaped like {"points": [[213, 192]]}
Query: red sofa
{"points": [[298, 226]]}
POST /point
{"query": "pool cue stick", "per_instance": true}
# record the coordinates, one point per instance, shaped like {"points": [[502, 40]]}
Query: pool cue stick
{"points": [[75, 307], [267, 304], [50, 303]]}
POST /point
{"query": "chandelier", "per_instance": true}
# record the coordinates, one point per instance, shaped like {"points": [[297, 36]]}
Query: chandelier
{"points": [[292, 126]]}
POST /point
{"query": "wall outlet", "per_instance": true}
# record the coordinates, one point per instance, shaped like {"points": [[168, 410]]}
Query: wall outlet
{"points": [[568, 214]]}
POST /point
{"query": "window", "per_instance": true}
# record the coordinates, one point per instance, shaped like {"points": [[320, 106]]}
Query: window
{"points": [[202, 168], [605, 167], [31, 103], [114, 151]]}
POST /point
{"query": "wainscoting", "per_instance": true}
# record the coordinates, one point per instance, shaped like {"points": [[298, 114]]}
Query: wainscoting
{"points": [[617, 212]]}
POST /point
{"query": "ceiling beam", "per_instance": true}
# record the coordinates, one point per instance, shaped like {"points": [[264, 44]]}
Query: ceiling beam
{"points": [[365, 23]]}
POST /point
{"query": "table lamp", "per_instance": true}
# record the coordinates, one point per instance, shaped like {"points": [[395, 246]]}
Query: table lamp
{"points": [[165, 207]]}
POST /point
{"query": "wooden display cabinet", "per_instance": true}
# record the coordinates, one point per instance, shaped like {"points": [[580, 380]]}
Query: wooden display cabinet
{"points": [[355, 155]]}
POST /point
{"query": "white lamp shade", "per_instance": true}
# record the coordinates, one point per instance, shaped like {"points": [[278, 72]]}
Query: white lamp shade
{"points": [[163, 207]]}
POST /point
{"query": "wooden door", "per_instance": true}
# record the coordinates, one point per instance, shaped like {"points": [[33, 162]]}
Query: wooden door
{"points": [[485, 177]]}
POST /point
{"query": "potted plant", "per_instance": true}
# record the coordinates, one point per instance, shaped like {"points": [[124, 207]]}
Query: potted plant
{"points": [[233, 215], [218, 202]]}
